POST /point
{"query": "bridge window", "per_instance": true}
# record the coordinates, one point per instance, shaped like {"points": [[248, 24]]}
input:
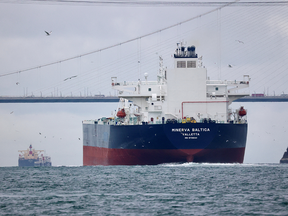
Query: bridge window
{"points": [[216, 88], [149, 89], [191, 64], [181, 64]]}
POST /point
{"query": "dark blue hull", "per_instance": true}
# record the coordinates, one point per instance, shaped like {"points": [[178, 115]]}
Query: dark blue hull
{"points": [[26, 163], [32, 163], [140, 144]]}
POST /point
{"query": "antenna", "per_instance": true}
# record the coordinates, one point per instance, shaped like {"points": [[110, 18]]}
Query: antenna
{"points": [[146, 76]]}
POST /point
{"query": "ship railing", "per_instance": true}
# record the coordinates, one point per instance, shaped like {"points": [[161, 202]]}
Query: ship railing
{"points": [[215, 94], [135, 83], [183, 121], [88, 121], [227, 82]]}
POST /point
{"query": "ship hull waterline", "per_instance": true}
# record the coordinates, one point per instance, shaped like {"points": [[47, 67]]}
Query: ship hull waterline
{"points": [[163, 143]]}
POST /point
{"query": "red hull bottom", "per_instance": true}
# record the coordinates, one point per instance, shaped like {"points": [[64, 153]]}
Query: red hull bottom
{"points": [[102, 156]]}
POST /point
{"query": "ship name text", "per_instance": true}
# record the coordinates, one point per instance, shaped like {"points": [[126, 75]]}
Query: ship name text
{"points": [[190, 129], [190, 133]]}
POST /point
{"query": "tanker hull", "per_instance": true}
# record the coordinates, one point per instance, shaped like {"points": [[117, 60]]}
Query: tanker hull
{"points": [[163, 143]]}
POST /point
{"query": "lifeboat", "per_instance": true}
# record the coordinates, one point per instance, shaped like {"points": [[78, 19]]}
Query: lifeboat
{"points": [[242, 112], [121, 113]]}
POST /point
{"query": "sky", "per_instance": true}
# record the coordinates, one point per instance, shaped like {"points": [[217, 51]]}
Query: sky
{"points": [[251, 39]]}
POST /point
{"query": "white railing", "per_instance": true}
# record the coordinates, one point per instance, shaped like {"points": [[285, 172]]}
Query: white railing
{"points": [[227, 82], [134, 83]]}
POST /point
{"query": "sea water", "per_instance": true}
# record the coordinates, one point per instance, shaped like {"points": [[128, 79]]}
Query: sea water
{"points": [[167, 189]]}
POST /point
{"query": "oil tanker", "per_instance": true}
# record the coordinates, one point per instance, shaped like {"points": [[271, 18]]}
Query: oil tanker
{"points": [[31, 158], [183, 116]]}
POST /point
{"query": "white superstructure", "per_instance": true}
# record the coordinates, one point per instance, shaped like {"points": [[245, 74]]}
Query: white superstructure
{"points": [[183, 92]]}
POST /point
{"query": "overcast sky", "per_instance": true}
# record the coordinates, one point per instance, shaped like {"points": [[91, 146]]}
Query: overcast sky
{"points": [[251, 39]]}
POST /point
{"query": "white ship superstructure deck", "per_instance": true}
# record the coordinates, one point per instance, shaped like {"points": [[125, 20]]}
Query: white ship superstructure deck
{"points": [[182, 92]]}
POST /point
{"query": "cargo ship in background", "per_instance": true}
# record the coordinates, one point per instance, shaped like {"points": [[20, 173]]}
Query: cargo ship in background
{"points": [[183, 116], [31, 158]]}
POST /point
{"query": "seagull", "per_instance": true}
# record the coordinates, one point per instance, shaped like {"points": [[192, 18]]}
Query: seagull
{"points": [[48, 33], [70, 78], [17, 83], [11, 112], [230, 66], [239, 41]]}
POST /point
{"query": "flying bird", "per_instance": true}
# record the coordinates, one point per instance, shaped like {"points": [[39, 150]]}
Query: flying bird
{"points": [[70, 78], [240, 41], [230, 66], [48, 33], [17, 83]]}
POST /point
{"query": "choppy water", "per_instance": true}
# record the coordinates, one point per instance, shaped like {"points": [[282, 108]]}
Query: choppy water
{"points": [[171, 189]]}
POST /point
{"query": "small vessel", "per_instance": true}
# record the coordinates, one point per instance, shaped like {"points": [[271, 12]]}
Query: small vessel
{"points": [[284, 159], [31, 158], [183, 116]]}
